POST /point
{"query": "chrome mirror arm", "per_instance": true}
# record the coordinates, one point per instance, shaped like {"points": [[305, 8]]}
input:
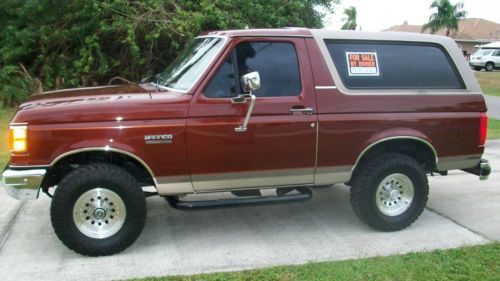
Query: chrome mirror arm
{"points": [[251, 82], [243, 128]]}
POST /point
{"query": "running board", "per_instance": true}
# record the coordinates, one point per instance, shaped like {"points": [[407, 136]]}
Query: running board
{"points": [[302, 193]]}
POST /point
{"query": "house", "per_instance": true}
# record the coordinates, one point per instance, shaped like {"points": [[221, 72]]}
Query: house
{"points": [[471, 32]]}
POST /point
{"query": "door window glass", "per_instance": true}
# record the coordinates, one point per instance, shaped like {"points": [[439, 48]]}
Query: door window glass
{"points": [[223, 83], [277, 65], [276, 62]]}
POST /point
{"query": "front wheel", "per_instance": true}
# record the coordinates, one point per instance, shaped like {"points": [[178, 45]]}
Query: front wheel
{"points": [[489, 66], [389, 192], [98, 210], [477, 68]]}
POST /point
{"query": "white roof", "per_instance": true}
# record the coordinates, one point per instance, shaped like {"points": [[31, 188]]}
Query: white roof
{"points": [[493, 45]]}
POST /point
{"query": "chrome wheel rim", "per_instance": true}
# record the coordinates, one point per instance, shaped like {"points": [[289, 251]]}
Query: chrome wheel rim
{"points": [[394, 194], [99, 213]]}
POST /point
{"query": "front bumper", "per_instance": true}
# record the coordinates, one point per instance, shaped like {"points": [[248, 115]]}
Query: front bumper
{"points": [[482, 169], [22, 184], [477, 63]]}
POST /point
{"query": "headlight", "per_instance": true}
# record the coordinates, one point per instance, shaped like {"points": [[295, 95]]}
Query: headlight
{"points": [[18, 138]]}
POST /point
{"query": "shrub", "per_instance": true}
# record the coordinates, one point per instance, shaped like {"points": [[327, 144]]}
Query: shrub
{"points": [[86, 42]]}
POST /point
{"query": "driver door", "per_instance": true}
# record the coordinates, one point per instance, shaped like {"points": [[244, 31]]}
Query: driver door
{"points": [[279, 146]]}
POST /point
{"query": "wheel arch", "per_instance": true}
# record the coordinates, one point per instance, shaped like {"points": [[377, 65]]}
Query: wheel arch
{"points": [[492, 63], [132, 163], [398, 143]]}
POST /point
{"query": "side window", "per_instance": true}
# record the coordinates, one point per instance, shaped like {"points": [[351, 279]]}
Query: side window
{"points": [[223, 83], [497, 53], [393, 65], [276, 62], [277, 65]]}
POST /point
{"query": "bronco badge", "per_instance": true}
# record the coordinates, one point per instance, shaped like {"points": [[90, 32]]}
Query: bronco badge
{"points": [[157, 139]]}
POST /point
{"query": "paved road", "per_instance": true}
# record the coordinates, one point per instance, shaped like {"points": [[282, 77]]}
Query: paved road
{"points": [[493, 104], [462, 211]]}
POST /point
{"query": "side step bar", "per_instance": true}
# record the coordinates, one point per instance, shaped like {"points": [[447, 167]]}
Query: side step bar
{"points": [[302, 193]]}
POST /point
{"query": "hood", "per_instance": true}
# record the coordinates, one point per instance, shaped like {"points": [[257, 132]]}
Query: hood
{"points": [[107, 103]]}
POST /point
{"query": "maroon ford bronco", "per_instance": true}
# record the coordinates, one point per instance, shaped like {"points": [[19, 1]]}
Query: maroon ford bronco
{"points": [[243, 111]]}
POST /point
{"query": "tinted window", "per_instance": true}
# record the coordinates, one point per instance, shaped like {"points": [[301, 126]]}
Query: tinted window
{"points": [[393, 66], [223, 83], [276, 63]]}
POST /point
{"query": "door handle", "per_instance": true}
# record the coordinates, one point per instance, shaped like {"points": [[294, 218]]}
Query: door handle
{"points": [[306, 110]]}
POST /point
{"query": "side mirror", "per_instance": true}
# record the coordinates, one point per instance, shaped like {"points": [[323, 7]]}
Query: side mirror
{"points": [[250, 81]]}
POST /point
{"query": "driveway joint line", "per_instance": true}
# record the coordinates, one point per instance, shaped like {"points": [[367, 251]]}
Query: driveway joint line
{"points": [[10, 224], [490, 240]]}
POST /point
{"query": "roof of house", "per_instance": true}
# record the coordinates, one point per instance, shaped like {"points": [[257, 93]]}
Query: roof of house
{"points": [[471, 29]]}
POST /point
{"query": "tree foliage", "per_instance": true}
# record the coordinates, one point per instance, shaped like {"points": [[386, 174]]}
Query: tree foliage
{"points": [[350, 20], [86, 42], [447, 16]]}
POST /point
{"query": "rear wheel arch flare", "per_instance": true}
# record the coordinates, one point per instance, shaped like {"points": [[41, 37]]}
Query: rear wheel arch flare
{"points": [[401, 144]]}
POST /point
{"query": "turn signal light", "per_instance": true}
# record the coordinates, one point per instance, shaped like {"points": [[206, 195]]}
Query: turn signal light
{"points": [[18, 139], [483, 128]]}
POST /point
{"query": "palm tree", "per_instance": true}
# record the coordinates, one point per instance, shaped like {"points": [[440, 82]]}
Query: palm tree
{"points": [[350, 21], [447, 16]]}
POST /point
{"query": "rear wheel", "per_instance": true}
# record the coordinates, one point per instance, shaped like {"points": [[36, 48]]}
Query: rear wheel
{"points": [[98, 210], [389, 192], [489, 66]]}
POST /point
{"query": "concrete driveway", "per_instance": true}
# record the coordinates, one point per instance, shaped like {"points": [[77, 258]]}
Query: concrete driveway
{"points": [[462, 211]]}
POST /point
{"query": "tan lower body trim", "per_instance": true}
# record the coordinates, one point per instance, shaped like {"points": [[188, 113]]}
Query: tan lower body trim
{"points": [[259, 179], [276, 178], [332, 175], [255, 179], [458, 162], [174, 185]]}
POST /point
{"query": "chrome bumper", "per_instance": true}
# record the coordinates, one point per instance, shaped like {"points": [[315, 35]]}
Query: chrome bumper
{"points": [[22, 184]]}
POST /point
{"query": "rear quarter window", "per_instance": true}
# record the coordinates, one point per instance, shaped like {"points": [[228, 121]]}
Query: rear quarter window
{"points": [[393, 65]]}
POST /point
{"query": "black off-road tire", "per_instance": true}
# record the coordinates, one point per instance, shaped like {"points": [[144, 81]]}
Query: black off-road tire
{"points": [[83, 179], [366, 181]]}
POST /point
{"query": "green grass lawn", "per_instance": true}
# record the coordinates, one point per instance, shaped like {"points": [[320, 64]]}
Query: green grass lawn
{"points": [[470, 263], [490, 82], [493, 129], [5, 116]]}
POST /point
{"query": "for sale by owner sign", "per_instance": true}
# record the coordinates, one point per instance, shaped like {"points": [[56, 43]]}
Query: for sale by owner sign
{"points": [[362, 63]]}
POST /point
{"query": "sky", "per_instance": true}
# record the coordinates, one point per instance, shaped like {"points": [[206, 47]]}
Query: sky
{"points": [[375, 15]]}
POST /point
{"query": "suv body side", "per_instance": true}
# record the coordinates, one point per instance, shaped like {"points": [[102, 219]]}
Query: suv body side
{"points": [[280, 148]]}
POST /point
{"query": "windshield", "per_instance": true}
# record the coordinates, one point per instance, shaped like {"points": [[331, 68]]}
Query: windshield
{"points": [[190, 64], [482, 52]]}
